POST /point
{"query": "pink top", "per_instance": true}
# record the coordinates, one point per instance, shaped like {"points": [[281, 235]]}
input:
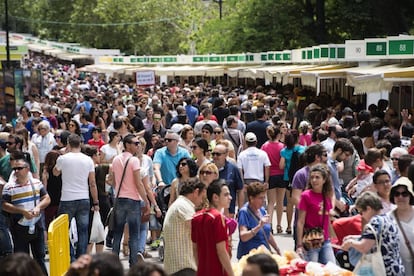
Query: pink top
{"points": [[273, 151], [129, 188], [305, 139], [312, 203]]}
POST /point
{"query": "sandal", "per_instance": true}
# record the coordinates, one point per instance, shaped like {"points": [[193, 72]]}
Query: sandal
{"points": [[125, 249], [279, 229], [288, 230]]}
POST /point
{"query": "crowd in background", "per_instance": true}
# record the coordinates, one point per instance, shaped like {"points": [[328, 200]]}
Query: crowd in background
{"points": [[282, 146]]}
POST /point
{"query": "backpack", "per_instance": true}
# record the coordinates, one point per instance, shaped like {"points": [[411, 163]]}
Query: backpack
{"points": [[296, 163]]}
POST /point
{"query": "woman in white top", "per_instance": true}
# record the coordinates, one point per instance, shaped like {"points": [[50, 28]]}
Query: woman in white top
{"points": [[187, 137], [110, 150], [403, 197], [29, 146], [200, 151]]}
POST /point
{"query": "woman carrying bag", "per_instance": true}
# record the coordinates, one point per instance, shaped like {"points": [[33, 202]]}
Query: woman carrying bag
{"points": [[378, 242], [313, 219], [402, 195], [254, 223]]}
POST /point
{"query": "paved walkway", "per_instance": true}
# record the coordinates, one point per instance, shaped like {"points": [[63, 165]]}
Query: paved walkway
{"points": [[284, 241]]}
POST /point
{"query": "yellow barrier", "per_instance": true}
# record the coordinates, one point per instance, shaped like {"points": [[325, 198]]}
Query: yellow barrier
{"points": [[58, 242]]}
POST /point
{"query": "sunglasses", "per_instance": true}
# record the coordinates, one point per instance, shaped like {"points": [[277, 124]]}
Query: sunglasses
{"points": [[404, 194], [18, 168], [384, 182], [57, 137], [206, 172], [136, 143], [217, 132], [157, 119], [217, 153], [183, 164], [395, 158], [169, 140]]}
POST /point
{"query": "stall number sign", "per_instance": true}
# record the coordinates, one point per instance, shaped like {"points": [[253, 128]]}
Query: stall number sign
{"points": [[145, 78]]}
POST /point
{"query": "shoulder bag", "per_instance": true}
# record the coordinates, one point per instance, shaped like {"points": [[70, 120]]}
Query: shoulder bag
{"points": [[257, 219], [372, 263], [110, 219], [313, 238], [406, 240]]}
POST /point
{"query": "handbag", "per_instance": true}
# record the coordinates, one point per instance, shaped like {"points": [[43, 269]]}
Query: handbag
{"points": [[110, 219], [313, 238], [145, 217], [372, 264]]}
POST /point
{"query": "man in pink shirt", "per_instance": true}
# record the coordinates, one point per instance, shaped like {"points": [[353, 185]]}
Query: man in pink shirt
{"points": [[132, 199]]}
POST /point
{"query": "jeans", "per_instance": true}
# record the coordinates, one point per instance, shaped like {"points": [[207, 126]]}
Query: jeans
{"points": [[36, 243], [322, 255], [79, 209], [127, 211], [143, 232], [6, 246]]}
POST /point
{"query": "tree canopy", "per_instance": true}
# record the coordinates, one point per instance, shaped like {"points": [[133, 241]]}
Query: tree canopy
{"points": [[162, 27]]}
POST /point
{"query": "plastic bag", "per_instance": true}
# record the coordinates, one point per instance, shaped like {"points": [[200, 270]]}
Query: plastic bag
{"points": [[97, 230], [73, 232]]}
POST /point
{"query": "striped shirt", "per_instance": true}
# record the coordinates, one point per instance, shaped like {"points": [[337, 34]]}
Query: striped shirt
{"points": [[22, 195]]}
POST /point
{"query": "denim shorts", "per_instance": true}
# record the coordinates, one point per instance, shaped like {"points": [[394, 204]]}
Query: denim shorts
{"points": [[154, 223]]}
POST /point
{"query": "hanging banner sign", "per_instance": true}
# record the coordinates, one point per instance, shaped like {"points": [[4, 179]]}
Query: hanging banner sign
{"points": [[145, 77]]}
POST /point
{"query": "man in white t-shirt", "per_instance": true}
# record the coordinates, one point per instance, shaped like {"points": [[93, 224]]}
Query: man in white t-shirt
{"points": [[78, 179], [253, 162]]}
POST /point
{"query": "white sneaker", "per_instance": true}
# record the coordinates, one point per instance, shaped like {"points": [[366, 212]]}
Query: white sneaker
{"points": [[141, 259]]}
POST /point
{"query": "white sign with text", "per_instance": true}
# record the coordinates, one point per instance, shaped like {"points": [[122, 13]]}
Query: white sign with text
{"points": [[145, 77]]}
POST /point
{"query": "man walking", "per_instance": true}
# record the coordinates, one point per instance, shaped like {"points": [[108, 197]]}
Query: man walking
{"points": [[24, 198], [231, 174], [177, 229], [78, 179], [253, 162], [132, 200], [166, 159]]}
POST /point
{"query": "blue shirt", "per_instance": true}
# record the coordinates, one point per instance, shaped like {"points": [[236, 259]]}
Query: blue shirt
{"points": [[247, 219], [192, 113], [169, 162], [258, 127], [233, 178], [86, 131], [335, 177]]}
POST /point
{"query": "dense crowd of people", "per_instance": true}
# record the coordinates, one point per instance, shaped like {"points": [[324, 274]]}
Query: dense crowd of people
{"points": [[202, 161]]}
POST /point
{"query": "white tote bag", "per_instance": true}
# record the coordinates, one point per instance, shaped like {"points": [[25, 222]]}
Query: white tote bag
{"points": [[372, 264], [97, 230]]}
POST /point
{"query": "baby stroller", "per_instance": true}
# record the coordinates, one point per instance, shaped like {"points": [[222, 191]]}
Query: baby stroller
{"points": [[162, 198]]}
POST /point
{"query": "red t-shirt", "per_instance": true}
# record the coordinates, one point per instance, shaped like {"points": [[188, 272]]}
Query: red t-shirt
{"points": [[208, 228], [347, 226], [212, 117], [97, 144]]}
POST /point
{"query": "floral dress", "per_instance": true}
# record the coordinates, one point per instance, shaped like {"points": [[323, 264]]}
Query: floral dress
{"points": [[390, 247]]}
